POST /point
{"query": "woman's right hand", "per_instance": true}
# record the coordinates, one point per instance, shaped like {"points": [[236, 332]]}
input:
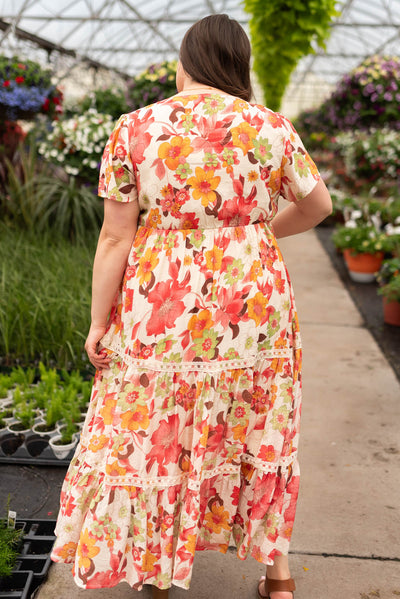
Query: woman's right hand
{"points": [[99, 359]]}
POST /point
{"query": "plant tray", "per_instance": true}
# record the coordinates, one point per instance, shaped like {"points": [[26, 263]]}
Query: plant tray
{"points": [[30, 449], [18, 585], [34, 561]]}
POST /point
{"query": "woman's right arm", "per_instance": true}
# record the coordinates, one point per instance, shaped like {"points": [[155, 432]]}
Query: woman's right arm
{"points": [[304, 214]]}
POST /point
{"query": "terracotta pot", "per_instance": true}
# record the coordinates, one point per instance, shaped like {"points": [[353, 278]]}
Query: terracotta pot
{"points": [[362, 267], [391, 312]]}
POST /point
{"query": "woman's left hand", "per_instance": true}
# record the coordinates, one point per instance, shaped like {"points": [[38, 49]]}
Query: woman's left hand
{"points": [[98, 359]]}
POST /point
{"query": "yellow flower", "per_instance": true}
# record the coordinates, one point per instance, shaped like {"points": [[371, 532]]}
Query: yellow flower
{"points": [[257, 307], [239, 432], [138, 419], [153, 218], [214, 258], [217, 518], [148, 561], [243, 135], [86, 550], [255, 270], [204, 184], [172, 152], [275, 180], [115, 469], [108, 410], [147, 264]]}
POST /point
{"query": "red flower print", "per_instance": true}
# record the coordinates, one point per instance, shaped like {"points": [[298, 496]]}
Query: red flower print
{"points": [[267, 453], [165, 447], [119, 173], [230, 305], [166, 298], [120, 152]]}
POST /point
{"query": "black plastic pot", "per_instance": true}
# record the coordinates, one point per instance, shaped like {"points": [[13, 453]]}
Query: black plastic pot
{"points": [[16, 586]]}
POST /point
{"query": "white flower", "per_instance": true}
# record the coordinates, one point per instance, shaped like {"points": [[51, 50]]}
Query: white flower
{"points": [[356, 214], [351, 224]]}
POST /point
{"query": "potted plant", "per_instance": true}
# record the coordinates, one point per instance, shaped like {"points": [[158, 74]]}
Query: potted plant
{"points": [[10, 538], [389, 280], [362, 245], [24, 417], [154, 84], [65, 442], [26, 89], [53, 413]]}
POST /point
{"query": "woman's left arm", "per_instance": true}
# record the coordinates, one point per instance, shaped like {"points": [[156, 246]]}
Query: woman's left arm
{"points": [[115, 241]]}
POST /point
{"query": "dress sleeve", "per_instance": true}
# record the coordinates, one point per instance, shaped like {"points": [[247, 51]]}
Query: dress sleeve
{"points": [[117, 172], [299, 174]]}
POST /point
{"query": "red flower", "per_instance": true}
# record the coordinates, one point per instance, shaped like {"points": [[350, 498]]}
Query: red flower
{"points": [[165, 447], [6, 83], [19, 79], [21, 66], [167, 306], [46, 104]]}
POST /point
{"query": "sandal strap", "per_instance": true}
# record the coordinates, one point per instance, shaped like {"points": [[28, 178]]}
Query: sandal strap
{"points": [[272, 585]]}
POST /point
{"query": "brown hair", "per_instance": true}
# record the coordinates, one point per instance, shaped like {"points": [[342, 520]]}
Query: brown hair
{"points": [[216, 51]]}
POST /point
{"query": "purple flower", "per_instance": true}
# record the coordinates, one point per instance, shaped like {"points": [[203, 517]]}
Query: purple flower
{"points": [[388, 96]]}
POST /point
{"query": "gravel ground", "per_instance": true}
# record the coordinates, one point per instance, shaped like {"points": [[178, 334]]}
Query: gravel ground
{"points": [[368, 302]]}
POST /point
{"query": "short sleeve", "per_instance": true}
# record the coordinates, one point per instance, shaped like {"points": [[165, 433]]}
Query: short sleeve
{"points": [[299, 174], [117, 173]]}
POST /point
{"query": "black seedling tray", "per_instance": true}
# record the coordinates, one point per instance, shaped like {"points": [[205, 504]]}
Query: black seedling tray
{"points": [[29, 449]]}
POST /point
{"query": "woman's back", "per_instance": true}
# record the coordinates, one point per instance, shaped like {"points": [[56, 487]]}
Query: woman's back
{"points": [[206, 160]]}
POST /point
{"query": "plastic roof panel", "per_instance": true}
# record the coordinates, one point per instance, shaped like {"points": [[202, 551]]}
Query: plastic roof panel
{"points": [[128, 35]]}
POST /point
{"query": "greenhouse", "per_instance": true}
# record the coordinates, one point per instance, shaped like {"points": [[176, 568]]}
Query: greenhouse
{"points": [[84, 84]]}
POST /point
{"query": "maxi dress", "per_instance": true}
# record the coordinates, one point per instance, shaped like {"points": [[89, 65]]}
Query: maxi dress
{"points": [[191, 437]]}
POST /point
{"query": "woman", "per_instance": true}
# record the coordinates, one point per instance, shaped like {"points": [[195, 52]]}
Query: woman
{"points": [[191, 437]]}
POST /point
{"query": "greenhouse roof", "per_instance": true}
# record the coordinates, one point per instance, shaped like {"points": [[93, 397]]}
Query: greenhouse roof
{"points": [[128, 35]]}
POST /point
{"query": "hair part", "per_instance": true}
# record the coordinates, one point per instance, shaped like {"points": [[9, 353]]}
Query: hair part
{"points": [[216, 51]]}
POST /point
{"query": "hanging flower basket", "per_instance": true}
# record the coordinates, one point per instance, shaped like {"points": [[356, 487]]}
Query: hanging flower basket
{"points": [[26, 90]]}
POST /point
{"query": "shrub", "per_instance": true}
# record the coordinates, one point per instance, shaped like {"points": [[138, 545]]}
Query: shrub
{"points": [[106, 101]]}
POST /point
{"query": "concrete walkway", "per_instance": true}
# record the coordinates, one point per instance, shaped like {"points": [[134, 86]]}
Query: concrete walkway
{"points": [[346, 540]]}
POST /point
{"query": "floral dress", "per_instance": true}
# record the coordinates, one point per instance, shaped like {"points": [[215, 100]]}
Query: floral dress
{"points": [[190, 441]]}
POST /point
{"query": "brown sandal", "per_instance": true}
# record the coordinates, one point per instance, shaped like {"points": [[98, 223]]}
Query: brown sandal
{"points": [[272, 585]]}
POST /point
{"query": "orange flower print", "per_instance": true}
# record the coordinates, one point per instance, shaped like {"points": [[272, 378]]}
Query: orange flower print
{"points": [[67, 551], [252, 176], [107, 412], [243, 135], [217, 519], [97, 442], [255, 270], [257, 307], [240, 105], [154, 218], [147, 264], [214, 258], [200, 322], [148, 561], [137, 419], [275, 180], [86, 550], [190, 544], [239, 432], [172, 152], [204, 185], [115, 469]]}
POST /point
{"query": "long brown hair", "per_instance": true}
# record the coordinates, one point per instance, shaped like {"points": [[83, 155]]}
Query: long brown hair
{"points": [[216, 51]]}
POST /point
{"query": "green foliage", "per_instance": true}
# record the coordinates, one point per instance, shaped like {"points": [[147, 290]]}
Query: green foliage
{"points": [[154, 84], [107, 101], [364, 238], [44, 299], [67, 209], [392, 289], [282, 32], [9, 547]]}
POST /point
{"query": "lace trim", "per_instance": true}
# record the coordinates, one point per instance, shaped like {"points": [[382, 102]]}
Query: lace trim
{"points": [[155, 365], [194, 483]]}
